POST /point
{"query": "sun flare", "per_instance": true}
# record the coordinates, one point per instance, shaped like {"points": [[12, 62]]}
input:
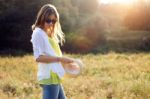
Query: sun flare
{"points": [[116, 1]]}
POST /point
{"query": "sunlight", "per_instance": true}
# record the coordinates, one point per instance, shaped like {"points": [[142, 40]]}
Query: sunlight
{"points": [[116, 1]]}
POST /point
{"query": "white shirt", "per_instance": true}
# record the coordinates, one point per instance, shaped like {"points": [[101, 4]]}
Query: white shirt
{"points": [[41, 46]]}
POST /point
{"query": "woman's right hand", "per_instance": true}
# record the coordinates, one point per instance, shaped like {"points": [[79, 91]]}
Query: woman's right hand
{"points": [[66, 60]]}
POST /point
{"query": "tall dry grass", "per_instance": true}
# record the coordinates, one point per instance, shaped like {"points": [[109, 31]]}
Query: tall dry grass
{"points": [[106, 76]]}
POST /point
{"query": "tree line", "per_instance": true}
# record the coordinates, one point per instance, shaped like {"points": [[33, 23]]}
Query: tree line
{"points": [[86, 23]]}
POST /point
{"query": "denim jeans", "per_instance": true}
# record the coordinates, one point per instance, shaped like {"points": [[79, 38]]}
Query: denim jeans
{"points": [[54, 91]]}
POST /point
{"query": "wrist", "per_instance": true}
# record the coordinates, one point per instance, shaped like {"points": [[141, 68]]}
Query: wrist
{"points": [[58, 59]]}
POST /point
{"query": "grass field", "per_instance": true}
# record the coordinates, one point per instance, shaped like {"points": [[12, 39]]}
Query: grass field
{"points": [[106, 76]]}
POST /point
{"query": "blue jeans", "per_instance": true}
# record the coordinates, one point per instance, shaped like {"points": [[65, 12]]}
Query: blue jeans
{"points": [[54, 91]]}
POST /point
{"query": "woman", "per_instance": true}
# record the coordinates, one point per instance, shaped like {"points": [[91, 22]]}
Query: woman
{"points": [[47, 35]]}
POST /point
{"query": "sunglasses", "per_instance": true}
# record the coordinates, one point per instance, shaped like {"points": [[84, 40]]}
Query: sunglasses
{"points": [[50, 21]]}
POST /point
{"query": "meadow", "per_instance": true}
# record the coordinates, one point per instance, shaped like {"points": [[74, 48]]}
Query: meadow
{"points": [[105, 76]]}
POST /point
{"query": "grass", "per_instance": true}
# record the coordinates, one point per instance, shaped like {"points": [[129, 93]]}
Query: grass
{"points": [[106, 76]]}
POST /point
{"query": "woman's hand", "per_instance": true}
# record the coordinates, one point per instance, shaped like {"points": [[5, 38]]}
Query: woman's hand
{"points": [[66, 60], [72, 66]]}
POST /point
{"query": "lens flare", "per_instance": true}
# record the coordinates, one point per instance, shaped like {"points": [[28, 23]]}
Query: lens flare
{"points": [[117, 1]]}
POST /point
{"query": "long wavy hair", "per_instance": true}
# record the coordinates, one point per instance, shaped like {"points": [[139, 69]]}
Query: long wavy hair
{"points": [[43, 14]]}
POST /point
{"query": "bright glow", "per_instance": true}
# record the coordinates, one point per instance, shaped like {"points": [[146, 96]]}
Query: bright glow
{"points": [[117, 1]]}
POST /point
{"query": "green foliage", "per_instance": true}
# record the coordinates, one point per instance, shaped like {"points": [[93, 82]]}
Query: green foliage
{"points": [[86, 24]]}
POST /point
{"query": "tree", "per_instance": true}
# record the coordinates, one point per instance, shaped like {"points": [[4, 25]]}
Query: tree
{"points": [[138, 17]]}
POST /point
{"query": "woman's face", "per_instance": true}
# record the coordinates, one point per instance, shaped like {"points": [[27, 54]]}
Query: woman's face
{"points": [[49, 24]]}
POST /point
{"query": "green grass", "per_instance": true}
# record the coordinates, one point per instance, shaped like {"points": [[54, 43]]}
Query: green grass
{"points": [[105, 76]]}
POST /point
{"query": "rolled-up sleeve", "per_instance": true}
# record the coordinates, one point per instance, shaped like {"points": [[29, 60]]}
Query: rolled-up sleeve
{"points": [[37, 44]]}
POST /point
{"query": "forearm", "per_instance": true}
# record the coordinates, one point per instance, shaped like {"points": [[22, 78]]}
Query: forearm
{"points": [[48, 59]]}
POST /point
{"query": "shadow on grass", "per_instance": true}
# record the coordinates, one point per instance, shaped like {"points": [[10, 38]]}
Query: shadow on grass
{"points": [[13, 52], [110, 50]]}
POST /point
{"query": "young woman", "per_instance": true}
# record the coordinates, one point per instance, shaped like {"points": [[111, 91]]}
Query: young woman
{"points": [[47, 35]]}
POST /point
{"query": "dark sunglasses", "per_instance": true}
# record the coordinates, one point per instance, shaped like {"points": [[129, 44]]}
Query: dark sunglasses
{"points": [[50, 21]]}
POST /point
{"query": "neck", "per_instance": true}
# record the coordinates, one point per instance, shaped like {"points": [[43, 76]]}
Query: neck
{"points": [[49, 33]]}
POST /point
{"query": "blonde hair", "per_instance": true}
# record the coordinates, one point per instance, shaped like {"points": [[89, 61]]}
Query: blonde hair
{"points": [[43, 14]]}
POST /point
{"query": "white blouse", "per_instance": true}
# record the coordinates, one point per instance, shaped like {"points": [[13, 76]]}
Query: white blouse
{"points": [[41, 46]]}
